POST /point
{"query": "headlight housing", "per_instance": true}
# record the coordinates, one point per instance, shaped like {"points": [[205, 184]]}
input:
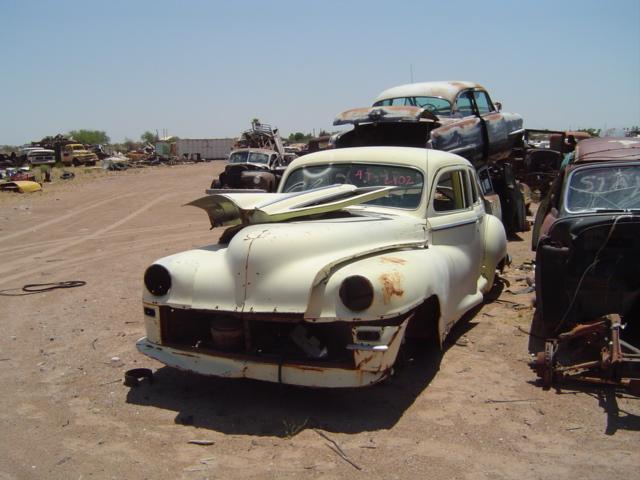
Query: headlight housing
{"points": [[157, 279], [356, 293]]}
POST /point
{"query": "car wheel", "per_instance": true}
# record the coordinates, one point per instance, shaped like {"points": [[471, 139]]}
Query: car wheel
{"points": [[75, 162]]}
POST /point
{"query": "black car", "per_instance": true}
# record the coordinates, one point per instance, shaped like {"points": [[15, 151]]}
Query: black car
{"points": [[587, 242]]}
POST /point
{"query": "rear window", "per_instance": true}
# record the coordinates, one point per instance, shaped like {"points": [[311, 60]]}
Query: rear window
{"points": [[611, 187], [436, 105]]}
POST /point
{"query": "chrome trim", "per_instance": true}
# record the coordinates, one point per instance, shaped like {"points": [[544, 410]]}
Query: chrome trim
{"points": [[462, 149], [455, 224], [367, 348]]}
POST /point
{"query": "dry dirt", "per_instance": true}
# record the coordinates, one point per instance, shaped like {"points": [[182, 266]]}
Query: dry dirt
{"points": [[473, 413]]}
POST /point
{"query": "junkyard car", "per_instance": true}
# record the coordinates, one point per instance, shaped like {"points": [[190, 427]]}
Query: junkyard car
{"points": [[253, 168], [587, 242], [257, 162], [318, 284], [453, 116], [41, 156], [76, 154]]}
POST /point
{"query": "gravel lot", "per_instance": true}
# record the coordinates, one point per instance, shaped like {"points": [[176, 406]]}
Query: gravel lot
{"points": [[474, 412]]}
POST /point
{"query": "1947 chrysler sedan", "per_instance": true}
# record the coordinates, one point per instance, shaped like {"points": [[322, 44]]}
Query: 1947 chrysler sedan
{"points": [[319, 284]]}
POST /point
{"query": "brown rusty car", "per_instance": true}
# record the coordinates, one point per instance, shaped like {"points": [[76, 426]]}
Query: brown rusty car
{"points": [[587, 243]]}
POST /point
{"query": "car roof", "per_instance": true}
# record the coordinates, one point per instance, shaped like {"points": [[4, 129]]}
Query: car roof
{"points": [[606, 149], [422, 158], [445, 89]]}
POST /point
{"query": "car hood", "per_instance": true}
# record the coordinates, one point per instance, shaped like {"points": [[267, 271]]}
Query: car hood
{"points": [[273, 267], [251, 208]]}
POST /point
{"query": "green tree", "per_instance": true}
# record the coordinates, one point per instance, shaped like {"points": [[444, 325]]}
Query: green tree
{"points": [[299, 137], [148, 137], [91, 137]]}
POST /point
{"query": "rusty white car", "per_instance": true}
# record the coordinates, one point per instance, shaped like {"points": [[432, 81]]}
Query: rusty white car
{"points": [[320, 283]]}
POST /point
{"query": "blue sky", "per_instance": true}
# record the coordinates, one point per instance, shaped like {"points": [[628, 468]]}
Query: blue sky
{"points": [[205, 69]]}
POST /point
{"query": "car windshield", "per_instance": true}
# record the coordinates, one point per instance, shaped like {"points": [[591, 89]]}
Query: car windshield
{"points": [[604, 188], [408, 181], [249, 157], [78, 147], [436, 105]]}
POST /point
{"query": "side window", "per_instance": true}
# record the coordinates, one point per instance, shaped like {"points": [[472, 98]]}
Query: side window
{"points": [[485, 181], [401, 102], [464, 105], [474, 188], [452, 192], [470, 193], [483, 102]]}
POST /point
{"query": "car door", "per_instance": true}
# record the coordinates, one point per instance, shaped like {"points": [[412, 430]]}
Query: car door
{"points": [[456, 217], [496, 136], [471, 140]]}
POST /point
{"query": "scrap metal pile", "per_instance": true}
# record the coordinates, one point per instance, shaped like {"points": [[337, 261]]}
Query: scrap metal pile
{"points": [[260, 135], [592, 352]]}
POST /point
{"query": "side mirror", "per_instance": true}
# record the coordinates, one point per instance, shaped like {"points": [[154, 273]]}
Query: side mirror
{"points": [[499, 106]]}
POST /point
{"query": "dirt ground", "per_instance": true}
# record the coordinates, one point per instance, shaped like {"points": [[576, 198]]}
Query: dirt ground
{"points": [[473, 413]]}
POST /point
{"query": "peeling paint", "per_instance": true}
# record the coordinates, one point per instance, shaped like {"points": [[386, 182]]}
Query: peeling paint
{"points": [[391, 285], [396, 260]]}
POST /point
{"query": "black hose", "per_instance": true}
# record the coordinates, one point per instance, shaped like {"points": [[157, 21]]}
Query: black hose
{"points": [[34, 288]]}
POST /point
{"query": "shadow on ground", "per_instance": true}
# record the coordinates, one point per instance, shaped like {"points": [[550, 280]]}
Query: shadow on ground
{"points": [[246, 407]]}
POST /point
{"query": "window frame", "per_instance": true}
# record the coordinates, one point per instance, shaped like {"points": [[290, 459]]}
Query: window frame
{"points": [[465, 193]]}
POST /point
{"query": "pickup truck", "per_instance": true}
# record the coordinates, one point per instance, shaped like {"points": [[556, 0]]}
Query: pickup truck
{"points": [[76, 154]]}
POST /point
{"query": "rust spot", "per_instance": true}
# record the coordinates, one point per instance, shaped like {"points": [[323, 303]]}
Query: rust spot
{"points": [[391, 285], [365, 360], [396, 260]]}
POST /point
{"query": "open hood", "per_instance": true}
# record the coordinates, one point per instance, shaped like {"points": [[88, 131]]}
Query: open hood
{"points": [[356, 116], [252, 208]]}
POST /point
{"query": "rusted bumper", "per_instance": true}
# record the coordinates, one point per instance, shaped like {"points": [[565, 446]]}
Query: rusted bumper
{"points": [[373, 364]]}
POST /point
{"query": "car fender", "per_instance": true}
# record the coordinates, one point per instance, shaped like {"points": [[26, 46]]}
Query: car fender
{"points": [[402, 280], [495, 249]]}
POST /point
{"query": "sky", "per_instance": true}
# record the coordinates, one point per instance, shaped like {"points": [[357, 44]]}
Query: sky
{"points": [[204, 69]]}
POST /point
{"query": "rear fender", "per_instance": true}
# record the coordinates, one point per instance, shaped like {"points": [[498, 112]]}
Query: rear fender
{"points": [[494, 251]]}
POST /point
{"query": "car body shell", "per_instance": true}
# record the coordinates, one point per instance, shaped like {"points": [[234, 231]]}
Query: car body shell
{"points": [[251, 175], [41, 156], [587, 260], [472, 126], [76, 154], [20, 186], [277, 273]]}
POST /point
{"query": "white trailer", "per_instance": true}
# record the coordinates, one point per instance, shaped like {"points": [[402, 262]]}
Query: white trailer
{"points": [[208, 148]]}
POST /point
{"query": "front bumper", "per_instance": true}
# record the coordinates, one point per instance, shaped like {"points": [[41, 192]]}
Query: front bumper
{"points": [[288, 373]]}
